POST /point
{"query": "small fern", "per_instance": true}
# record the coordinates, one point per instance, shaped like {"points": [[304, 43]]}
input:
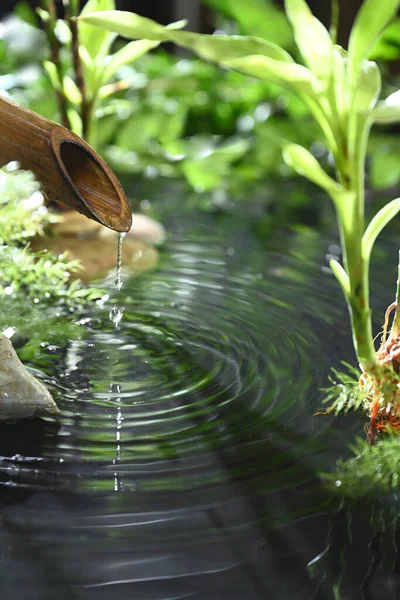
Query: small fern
{"points": [[345, 393], [373, 468]]}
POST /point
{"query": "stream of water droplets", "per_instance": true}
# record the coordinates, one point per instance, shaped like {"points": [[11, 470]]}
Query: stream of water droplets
{"points": [[117, 312]]}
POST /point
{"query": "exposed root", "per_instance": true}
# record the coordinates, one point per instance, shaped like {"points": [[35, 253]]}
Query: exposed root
{"points": [[377, 393], [383, 392]]}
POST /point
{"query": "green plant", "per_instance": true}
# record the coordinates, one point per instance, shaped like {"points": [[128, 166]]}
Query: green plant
{"points": [[40, 276], [341, 90], [167, 115], [372, 471], [81, 66]]}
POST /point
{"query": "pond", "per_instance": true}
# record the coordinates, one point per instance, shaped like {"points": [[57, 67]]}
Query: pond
{"points": [[187, 458]]}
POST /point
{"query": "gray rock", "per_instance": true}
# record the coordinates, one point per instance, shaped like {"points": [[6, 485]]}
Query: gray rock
{"points": [[21, 395]]}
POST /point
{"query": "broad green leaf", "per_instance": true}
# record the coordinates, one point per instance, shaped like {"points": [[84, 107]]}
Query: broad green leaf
{"points": [[305, 164], [93, 6], [90, 38], [388, 111], [219, 48], [24, 11], [387, 47], [312, 38], [368, 88], [211, 47], [380, 220], [341, 276], [251, 56], [128, 24], [275, 71], [128, 54], [371, 20], [339, 81], [365, 97]]}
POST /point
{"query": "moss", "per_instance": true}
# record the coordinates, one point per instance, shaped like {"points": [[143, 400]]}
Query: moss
{"points": [[38, 276]]}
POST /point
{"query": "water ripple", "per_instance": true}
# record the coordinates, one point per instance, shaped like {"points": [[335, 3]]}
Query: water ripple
{"points": [[190, 426]]}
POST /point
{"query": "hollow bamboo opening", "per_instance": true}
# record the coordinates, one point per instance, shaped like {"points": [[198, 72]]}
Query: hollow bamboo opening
{"points": [[91, 180]]}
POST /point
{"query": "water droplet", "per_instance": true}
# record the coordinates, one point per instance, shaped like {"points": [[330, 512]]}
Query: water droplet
{"points": [[13, 166], [116, 314], [118, 280]]}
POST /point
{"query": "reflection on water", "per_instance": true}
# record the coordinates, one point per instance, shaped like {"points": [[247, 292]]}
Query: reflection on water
{"points": [[185, 462]]}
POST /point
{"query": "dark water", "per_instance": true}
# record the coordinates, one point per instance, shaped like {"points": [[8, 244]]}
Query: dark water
{"points": [[186, 460]]}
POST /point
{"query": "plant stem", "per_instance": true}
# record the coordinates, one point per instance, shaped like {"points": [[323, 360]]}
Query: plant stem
{"points": [[334, 20], [357, 266], [71, 10], [55, 58], [396, 321]]}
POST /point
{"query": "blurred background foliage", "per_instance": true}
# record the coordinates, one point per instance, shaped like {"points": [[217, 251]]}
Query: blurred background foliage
{"points": [[166, 114]]}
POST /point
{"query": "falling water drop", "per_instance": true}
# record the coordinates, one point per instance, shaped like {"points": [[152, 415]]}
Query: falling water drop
{"points": [[117, 312], [118, 280]]}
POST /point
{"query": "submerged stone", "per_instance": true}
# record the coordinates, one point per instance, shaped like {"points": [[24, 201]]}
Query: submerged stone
{"points": [[21, 395], [95, 246]]}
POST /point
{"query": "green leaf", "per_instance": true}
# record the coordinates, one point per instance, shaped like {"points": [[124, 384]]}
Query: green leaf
{"points": [[251, 56], [312, 38], [25, 12], [93, 6], [341, 276], [129, 24], [212, 47], [387, 47], [339, 81], [289, 75], [51, 71], [93, 39], [364, 100], [71, 91], [75, 120], [388, 111], [368, 88], [128, 54], [62, 32], [305, 164], [380, 220], [371, 20], [43, 14]]}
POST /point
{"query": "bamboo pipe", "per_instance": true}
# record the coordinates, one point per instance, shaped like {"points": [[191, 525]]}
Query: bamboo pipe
{"points": [[68, 169]]}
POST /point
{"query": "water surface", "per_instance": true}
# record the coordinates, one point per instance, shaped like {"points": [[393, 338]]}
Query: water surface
{"points": [[186, 460]]}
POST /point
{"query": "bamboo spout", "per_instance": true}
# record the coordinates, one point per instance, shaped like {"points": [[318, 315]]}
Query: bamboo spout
{"points": [[68, 169]]}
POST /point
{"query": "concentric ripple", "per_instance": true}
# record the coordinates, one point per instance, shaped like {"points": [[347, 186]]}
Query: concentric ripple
{"points": [[186, 431]]}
